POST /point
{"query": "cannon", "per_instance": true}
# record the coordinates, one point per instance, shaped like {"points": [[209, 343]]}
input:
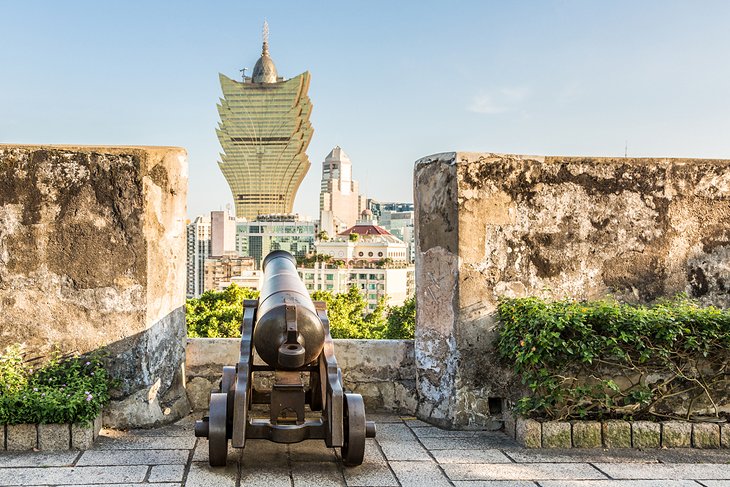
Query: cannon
{"points": [[290, 333]]}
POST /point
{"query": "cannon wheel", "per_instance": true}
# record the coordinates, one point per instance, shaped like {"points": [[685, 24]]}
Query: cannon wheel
{"points": [[217, 435], [353, 448]]}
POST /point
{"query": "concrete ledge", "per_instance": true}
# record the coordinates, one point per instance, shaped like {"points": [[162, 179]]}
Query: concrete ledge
{"points": [[531, 433], [382, 371]]}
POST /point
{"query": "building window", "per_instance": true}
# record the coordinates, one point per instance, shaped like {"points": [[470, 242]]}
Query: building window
{"points": [[353, 276], [380, 254], [362, 276], [370, 254], [371, 286], [329, 277], [372, 276], [360, 254], [330, 286], [372, 296]]}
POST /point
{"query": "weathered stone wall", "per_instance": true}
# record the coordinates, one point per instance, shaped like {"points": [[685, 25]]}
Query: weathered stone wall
{"points": [[491, 225], [92, 256], [382, 371]]}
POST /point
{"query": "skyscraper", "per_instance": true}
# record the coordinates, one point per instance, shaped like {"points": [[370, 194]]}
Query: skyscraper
{"points": [[340, 202], [264, 132]]}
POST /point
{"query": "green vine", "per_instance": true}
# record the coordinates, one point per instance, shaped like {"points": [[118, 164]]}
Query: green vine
{"points": [[603, 359]]}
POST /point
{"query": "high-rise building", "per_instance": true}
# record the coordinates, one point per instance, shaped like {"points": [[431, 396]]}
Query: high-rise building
{"points": [[264, 132], [198, 234], [340, 202], [274, 232], [222, 233]]}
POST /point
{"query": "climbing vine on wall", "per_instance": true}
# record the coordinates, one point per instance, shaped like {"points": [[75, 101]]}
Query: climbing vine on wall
{"points": [[603, 359]]}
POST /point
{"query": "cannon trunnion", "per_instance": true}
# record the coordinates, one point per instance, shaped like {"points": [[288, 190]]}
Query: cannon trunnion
{"points": [[291, 335]]}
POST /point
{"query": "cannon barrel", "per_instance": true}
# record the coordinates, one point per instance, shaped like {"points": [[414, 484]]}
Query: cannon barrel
{"points": [[288, 333]]}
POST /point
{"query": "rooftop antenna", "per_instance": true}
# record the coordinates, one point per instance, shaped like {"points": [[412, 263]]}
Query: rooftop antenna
{"points": [[265, 35], [626, 149], [243, 73]]}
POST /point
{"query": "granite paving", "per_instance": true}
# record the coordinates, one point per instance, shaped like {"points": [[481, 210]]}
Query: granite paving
{"points": [[406, 452]]}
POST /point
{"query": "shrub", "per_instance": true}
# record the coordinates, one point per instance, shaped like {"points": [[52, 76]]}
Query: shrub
{"points": [[65, 390], [570, 354]]}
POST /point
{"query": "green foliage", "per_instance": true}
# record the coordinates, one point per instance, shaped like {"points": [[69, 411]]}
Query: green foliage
{"points": [[354, 237], [346, 312], [218, 314], [64, 390], [569, 354], [402, 320]]}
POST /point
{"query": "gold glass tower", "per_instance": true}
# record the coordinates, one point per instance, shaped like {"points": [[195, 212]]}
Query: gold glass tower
{"points": [[264, 131]]}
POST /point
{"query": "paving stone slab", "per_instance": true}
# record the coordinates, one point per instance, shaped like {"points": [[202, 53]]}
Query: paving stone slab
{"points": [[38, 459], [395, 432], [470, 456], [665, 471], [129, 442], [693, 455], [270, 477], [167, 473], [494, 440], [494, 483], [260, 453], [203, 475], [418, 474], [716, 483], [311, 451], [313, 474], [373, 472], [416, 423], [512, 471], [404, 450], [578, 455], [619, 483], [162, 484], [200, 454], [434, 432], [168, 430], [383, 418], [71, 475], [134, 457]]}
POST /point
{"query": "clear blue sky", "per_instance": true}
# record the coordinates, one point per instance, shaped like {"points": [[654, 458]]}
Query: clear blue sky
{"points": [[392, 81]]}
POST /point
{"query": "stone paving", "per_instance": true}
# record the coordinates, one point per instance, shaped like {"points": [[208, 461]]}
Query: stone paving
{"points": [[406, 452]]}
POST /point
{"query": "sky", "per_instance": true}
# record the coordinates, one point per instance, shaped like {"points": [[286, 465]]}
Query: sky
{"points": [[392, 81]]}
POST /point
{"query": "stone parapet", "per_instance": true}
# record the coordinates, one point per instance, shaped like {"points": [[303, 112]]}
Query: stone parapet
{"points": [[92, 257], [497, 225], [382, 371]]}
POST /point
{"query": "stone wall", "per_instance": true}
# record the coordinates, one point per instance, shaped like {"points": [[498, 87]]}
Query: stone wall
{"points": [[491, 225], [382, 371], [92, 256]]}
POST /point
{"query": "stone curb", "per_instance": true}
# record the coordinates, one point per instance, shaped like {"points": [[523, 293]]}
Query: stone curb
{"points": [[532, 433], [49, 437]]}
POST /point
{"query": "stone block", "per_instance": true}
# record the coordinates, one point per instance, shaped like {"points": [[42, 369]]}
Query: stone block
{"points": [[97, 426], [725, 435], [82, 436], [587, 434], [556, 434], [97, 234], [54, 436], [21, 436], [676, 434], [198, 390], [616, 434], [706, 435], [510, 422], [2, 438], [646, 434], [528, 433]]}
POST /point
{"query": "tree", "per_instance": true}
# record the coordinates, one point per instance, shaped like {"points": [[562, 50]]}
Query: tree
{"points": [[402, 320], [218, 314], [323, 235], [354, 237]]}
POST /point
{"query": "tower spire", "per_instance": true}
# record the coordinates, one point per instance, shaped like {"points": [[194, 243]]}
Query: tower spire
{"points": [[265, 35]]}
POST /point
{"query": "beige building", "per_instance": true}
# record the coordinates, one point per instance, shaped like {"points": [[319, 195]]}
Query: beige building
{"points": [[264, 131], [221, 272], [340, 202], [374, 261]]}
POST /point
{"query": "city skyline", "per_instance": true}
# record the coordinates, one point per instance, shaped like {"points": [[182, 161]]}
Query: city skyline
{"points": [[390, 83]]}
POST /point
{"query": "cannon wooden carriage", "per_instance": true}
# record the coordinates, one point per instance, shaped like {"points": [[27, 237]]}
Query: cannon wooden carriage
{"points": [[291, 335]]}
